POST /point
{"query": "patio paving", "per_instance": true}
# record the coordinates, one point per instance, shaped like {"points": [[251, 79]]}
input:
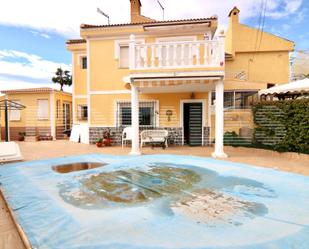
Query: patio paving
{"points": [[290, 162]]}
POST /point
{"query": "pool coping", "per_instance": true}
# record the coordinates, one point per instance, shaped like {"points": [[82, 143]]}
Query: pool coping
{"points": [[19, 229]]}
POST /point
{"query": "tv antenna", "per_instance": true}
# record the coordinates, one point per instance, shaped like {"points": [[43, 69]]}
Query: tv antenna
{"points": [[161, 6], [102, 13]]}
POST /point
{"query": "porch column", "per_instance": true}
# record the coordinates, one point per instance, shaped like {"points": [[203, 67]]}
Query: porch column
{"points": [[219, 153], [135, 150], [52, 115]]}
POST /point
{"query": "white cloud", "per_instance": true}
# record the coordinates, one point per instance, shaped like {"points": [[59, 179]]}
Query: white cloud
{"points": [[44, 35], [23, 70], [65, 17], [283, 8]]}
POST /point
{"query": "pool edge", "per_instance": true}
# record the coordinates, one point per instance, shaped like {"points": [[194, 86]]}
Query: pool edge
{"points": [[18, 227]]}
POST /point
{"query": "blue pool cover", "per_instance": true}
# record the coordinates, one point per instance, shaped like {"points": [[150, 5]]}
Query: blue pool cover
{"points": [[157, 201]]}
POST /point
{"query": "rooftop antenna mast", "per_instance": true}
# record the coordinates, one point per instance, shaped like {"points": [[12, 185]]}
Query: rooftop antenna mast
{"points": [[102, 13], [161, 6]]}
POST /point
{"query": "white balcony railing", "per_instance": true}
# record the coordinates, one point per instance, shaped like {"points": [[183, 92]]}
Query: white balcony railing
{"points": [[173, 55]]}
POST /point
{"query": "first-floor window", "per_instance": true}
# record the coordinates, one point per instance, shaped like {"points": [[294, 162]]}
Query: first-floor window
{"points": [[42, 109], [84, 62], [146, 114], [15, 114], [237, 99], [82, 112], [124, 56]]}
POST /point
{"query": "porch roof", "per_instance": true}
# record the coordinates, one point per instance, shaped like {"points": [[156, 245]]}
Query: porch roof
{"points": [[174, 84]]}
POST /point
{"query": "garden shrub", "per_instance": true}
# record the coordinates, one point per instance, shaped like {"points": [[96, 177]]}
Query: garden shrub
{"points": [[282, 125]]}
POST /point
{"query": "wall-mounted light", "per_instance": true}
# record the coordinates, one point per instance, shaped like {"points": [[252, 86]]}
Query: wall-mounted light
{"points": [[192, 96], [169, 113]]}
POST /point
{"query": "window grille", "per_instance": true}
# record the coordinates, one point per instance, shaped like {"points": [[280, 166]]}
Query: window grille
{"points": [[147, 114]]}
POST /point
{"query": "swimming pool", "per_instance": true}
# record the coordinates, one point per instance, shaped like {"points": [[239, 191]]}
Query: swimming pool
{"points": [[157, 201]]}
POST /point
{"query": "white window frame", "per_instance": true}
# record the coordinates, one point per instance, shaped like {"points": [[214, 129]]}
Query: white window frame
{"points": [[79, 60], [119, 60], [79, 116], [234, 99], [124, 42], [156, 112], [15, 115], [38, 110]]}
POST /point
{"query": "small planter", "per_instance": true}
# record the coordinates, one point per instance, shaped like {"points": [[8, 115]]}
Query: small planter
{"points": [[99, 143], [107, 142], [21, 136]]}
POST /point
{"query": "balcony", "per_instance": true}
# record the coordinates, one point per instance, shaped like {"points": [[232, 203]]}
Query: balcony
{"points": [[177, 55]]}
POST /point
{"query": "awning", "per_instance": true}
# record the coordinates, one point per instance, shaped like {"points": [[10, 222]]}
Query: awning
{"points": [[295, 87]]}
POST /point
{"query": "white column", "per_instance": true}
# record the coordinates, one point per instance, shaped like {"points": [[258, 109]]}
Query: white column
{"points": [[209, 116], [219, 153], [135, 150], [132, 56], [52, 114]]}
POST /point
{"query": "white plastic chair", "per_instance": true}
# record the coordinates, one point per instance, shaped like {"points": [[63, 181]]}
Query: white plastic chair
{"points": [[126, 135]]}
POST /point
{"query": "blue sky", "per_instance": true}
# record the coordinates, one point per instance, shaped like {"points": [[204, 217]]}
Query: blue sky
{"points": [[33, 36]]}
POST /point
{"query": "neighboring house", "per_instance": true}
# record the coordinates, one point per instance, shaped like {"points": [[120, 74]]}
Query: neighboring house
{"points": [[255, 60], [166, 74], [48, 112]]}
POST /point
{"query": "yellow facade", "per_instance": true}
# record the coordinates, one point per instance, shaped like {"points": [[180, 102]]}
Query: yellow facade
{"points": [[102, 85], [29, 120]]}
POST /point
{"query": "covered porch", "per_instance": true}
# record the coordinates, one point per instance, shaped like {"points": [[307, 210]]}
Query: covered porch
{"points": [[191, 110]]}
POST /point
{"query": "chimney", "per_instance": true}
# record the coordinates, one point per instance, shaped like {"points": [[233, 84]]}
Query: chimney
{"points": [[234, 15], [135, 10]]}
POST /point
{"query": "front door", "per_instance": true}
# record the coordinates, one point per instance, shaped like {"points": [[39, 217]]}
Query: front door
{"points": [[193, 124]]}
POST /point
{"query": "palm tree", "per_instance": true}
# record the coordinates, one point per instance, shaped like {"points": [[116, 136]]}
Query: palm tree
{"points": [[62, 77]]}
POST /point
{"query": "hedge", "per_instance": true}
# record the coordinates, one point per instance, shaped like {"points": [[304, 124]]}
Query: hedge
{"points": [[282, 125]]}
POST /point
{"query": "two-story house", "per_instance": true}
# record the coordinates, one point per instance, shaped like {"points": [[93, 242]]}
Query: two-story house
{"points": [[168, 75]]}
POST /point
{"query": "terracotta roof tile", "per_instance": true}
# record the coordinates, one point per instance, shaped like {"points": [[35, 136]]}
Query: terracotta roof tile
{"points": [[185, 21], [31, 90], [75, 41]]}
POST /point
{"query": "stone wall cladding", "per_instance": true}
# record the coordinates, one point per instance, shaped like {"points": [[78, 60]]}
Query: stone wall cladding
{"points": [[207, 136], [174, 134], [96, 133]]}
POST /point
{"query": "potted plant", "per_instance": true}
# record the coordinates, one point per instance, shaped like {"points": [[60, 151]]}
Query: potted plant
{"points": [[107, 141], [21, 136], [99, 142]]}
